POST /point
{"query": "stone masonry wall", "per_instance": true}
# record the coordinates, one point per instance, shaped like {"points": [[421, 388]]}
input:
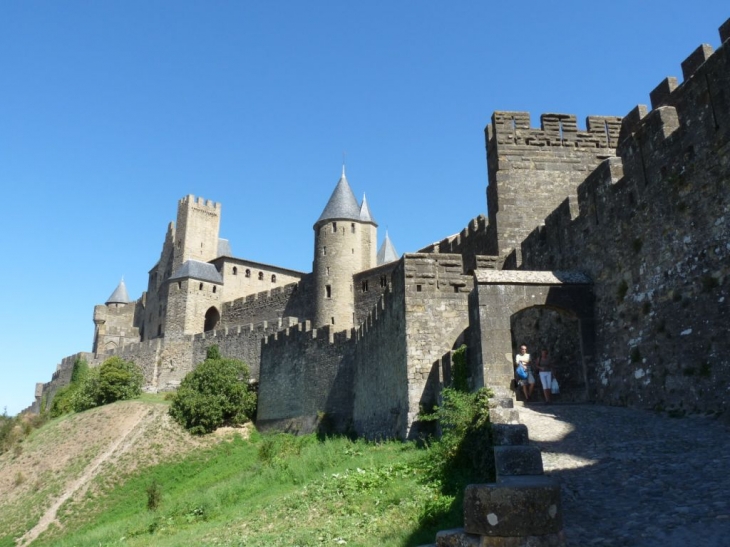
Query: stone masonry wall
{"points": [[369, 286], [651, 228], [532, 170], [381, 381], [293, 300], [244, 277], [115, 326], [241, 342], [436, 315], [475, 240], [306, 375]]}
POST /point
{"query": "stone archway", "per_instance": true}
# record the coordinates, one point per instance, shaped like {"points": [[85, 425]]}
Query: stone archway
{"points": [[212, 319], [500, 294]]}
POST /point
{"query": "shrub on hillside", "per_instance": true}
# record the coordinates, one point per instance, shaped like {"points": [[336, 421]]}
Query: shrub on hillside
{"points": [[114, 380], [13, 429], [216, 393], [63, 400]]}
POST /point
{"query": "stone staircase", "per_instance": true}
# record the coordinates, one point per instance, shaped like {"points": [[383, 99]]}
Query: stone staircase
{"points": [[523, 507]]}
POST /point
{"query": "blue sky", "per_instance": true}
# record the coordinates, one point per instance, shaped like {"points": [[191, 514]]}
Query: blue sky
{"points": [[112, 111]]}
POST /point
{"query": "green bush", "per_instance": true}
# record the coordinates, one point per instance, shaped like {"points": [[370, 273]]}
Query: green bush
{"points": [[63, 400], [216, 393], [464, 453], [115, 380]]}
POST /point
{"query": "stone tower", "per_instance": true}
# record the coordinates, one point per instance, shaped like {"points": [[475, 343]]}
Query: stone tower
{"points": [[194, 288], [196, 232], [345, 242]]}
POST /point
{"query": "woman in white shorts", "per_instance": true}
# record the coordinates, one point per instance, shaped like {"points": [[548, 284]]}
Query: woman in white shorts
{"points": [[545, 366]]}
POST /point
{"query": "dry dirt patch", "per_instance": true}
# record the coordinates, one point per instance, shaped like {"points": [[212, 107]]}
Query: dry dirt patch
{"points": [[84, 453]]}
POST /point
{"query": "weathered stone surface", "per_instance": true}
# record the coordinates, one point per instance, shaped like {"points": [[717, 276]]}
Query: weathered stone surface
{"points": [[517, 460], [519, 506], [509, 434], [504, 416]]}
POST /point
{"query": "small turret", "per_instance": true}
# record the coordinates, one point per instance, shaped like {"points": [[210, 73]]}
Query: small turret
{"points": [[387, 252], [119, 297]]}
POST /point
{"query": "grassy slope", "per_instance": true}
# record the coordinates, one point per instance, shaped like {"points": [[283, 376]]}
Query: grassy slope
{"points": [[270, 491]]}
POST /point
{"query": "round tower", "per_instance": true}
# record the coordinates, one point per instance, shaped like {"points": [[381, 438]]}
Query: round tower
{"points": [[345, 236]]}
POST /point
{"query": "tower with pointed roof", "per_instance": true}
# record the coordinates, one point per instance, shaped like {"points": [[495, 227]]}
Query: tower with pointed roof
{"points": [[345, 242], [116, 322]]}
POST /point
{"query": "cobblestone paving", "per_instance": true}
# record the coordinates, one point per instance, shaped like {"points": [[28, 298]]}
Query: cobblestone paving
{"points": [[634, 478]]}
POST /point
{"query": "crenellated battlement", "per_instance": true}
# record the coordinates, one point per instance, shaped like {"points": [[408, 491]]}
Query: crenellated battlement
{"points": [[263, 296], [556, 130], [693, 67], [200, 203], [263, 329], [303, 333]]}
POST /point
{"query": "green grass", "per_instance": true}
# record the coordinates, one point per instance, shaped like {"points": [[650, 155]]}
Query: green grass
{"points": [[273, 490]]}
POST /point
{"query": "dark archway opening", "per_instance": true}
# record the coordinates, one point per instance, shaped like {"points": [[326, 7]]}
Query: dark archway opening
{"points": [[212, 319], [559, 332]]}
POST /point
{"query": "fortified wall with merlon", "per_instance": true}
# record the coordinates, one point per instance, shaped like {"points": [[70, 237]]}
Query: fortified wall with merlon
{"points": [[609, 244]]}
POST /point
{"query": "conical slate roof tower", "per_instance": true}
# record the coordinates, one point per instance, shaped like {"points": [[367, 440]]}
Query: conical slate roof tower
{"points": [[119, 296], [345, 242], [342, 203]]}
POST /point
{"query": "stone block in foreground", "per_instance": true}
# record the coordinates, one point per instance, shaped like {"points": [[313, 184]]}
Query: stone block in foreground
{"points": [[516, 507], [517, 460], [509, 434]]}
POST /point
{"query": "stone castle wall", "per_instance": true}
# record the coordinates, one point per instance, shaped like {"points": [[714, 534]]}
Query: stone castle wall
{"points": [[437, 317], [293, 300], [242, 278], [369, 286], [474, 243], [380, 406], [651, 227], [115, 326], [306, 376], [532, 170]]}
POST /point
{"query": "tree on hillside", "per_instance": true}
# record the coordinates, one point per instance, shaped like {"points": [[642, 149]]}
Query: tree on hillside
{"points": [[216, 393], [114, 380]]}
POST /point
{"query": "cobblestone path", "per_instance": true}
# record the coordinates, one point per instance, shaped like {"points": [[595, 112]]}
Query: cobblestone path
{"points": [[634, 478]]}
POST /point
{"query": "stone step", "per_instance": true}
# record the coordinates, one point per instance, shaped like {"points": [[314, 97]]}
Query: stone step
{"points": [[509, 434], [515, 507], [517, 460]]}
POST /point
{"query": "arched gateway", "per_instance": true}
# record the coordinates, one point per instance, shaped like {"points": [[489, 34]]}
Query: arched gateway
{"points": [[500, 294]]}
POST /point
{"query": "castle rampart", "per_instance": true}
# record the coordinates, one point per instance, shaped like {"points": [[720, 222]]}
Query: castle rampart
{"points": [[294, 300], [306, 374], [651, 227]]}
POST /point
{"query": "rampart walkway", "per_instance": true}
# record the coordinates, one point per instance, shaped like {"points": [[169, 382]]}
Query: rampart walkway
{"points": [[636, 478]]}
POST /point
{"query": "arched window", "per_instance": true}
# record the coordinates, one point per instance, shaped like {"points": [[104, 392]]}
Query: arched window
{"points": [[273, 278], [200, 288], [261, 276], [214, 288], [248, 272], [235, 270]]}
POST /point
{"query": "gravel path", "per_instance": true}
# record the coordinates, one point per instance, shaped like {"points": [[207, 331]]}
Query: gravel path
{"points": [[634, 478]]}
